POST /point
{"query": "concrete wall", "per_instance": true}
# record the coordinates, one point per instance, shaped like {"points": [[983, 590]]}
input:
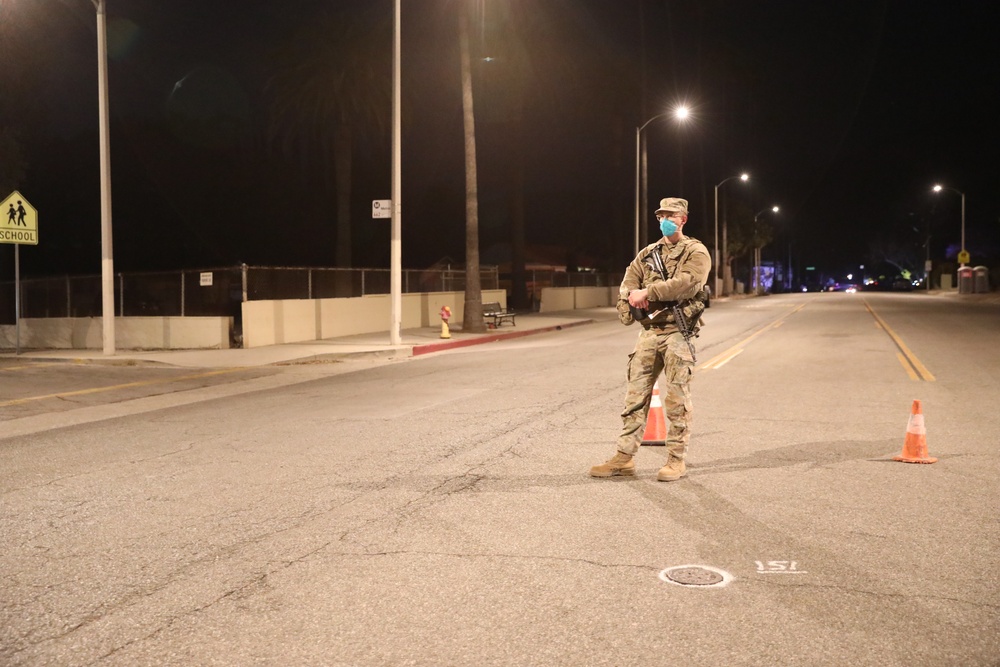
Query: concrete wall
{"points": [[555, 299], [297, 320], [281, 321], [131, 333]]}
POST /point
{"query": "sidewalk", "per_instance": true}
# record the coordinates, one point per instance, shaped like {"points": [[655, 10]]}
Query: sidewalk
{"points": [[414, 342]]}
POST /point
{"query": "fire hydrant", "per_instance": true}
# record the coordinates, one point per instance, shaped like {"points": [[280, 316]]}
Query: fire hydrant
{"points": [[445, 315]]}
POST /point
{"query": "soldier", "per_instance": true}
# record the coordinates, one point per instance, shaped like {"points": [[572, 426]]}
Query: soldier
{"points": [[663, 284]]}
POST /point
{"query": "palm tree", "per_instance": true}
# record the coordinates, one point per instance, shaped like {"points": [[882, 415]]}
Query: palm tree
{"points": [[12, 166], [473, 319], [19, 106], [534, 67], [331, 83]]}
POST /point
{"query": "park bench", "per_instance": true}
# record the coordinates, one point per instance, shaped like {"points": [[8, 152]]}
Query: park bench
{"points": [[495, 312]]}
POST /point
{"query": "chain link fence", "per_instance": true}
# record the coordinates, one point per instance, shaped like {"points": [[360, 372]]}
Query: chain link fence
{"points": [[217, 291], [220, 291]]}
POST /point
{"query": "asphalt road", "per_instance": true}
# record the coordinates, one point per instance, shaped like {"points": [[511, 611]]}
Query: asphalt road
{"points": [[437, 510]]}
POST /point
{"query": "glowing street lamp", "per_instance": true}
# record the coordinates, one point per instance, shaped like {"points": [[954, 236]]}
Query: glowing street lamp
{"points": [[680, 113], [939, 188], [774, 209], [717, 291]]}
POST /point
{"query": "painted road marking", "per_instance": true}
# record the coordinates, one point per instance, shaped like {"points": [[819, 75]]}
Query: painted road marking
{"points": [[907, 367], [720, 360], [26, 366], [779, 567], [127, 385], [908, 359]]}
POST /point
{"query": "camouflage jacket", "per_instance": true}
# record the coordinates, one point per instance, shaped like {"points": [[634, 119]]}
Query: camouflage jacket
{"points": [[687, 265]]}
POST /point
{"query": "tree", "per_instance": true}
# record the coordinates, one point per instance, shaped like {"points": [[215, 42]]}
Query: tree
{"points": [[531, 71], [332, 83], [745, 234], [18, 106], [902, 245], [12, 164], [473, 319]]}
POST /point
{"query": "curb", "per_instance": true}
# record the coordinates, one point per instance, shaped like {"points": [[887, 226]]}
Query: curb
{"points": [[402, 351], [491, 338], [91, 361]]}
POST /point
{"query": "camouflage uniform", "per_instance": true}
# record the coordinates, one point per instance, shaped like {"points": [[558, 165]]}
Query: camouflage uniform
{"points": [[661, 347]]}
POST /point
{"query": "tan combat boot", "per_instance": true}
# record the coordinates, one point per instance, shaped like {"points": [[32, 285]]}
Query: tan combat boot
{"points": [[619, 464], [672, 471]]}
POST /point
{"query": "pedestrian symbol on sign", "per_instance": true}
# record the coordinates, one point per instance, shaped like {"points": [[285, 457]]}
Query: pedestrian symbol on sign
{"points": [[19, 214]]}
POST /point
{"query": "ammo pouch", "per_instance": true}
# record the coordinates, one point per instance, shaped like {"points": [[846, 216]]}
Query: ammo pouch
{"points": [[626, 312]]}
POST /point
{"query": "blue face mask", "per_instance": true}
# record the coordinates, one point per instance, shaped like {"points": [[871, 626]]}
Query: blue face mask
{"points": [[668, 227]]}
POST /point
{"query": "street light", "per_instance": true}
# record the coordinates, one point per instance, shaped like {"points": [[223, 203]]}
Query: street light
{"points": [[680, 113], [107, 254], [774, 209], [939, 188], [756, 250], [396, 235], [718, 266]]}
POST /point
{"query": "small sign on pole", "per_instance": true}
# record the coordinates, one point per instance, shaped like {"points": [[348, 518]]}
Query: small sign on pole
{"points": [[382, 208], [18, 225], [205, 279], [18, 220]]}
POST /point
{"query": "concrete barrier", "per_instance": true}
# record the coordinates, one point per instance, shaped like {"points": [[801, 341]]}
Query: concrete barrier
{"points": [[555, 299], [131, 333], [281, 321], [596, 297], [297, 320]]}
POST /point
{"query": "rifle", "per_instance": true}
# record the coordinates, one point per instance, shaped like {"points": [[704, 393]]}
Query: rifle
{"points": [[682, 324]]}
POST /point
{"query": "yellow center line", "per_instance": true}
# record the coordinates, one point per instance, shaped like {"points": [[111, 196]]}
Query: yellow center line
{"points": [[718, 363], [21, 368], [907, 367], [720, 359], [907, 356], [127, 385]]}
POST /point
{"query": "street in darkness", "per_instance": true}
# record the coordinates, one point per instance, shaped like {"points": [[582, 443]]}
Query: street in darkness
{"points": [[438, 511]]}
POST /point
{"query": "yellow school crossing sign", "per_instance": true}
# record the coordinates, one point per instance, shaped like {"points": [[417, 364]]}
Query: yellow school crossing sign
{"points": [[18, 220]]}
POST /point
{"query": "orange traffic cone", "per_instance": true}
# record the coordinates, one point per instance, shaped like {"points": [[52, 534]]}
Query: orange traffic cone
{"points": [[915, 446], [656, 429]]}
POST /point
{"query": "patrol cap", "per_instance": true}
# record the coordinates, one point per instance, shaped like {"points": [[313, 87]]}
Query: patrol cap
{"points": [[675, 204]]}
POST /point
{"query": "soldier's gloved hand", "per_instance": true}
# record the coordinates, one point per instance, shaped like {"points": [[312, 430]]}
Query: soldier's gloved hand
{"points": [[639, 298]]}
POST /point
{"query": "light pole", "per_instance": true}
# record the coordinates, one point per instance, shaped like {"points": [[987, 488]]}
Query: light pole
{"points": [[718, 266], [680, 113], [939, 188], [756, 251], [107, 254], [395, 240]]}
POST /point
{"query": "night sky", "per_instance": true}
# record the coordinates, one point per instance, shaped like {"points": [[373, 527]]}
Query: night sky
{"points": [[844, 113]]}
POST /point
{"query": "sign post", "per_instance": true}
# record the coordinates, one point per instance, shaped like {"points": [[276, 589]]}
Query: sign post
{"points": [[18, 225]]}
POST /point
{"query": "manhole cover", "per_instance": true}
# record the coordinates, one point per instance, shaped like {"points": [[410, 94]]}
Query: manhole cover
{"points": [[695, 575]]}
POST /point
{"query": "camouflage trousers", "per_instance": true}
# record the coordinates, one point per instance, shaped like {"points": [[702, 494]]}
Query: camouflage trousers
{"points": [[657, 353]]}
